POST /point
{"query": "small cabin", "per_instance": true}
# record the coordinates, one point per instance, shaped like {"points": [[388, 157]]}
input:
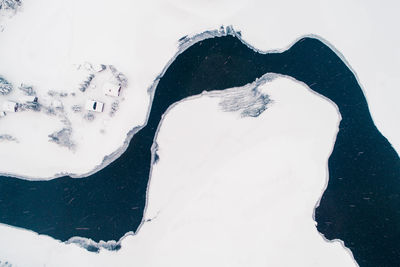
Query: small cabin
{"points": [[112, 89], [10, 106], [95, 106], [98, 67]]}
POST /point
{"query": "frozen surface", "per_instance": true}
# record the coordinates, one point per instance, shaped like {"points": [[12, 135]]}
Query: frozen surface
{"points": [[227, 190]]}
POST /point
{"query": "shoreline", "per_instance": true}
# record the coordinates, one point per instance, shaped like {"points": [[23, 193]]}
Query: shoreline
{"points": [[343, 104]]}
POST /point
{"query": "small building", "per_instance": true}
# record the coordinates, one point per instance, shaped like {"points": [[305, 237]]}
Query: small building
{"points": [[112, 89], [93, 105], [98, 67], [10, 106]]}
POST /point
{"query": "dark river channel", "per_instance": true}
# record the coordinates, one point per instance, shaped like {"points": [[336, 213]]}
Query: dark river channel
{"points": [[360, 206]]}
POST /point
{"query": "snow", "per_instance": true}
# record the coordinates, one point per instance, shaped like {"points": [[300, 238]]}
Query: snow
{"points": [[279, 151], [111, 89], [223, 202], [63, 112], [10, 106], [241, 196]]}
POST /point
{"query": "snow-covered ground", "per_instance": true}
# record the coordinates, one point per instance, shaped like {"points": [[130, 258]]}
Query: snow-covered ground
{"points": [[281, 149], [61, 127], [227, 190], [8, 8]]}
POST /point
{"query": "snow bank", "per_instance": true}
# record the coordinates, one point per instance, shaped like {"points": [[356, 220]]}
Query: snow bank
{"points": [[227, 190], [41, 42]]}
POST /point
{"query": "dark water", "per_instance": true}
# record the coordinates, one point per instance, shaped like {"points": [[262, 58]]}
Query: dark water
{"points": [[361, 204]]}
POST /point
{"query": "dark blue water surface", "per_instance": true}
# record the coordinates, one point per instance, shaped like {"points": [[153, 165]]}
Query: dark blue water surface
{"points": [[360, 206]]}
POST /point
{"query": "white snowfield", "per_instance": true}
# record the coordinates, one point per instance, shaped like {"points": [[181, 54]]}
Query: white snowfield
{"points": [[226, 191], [78, 129], [246, 196]]}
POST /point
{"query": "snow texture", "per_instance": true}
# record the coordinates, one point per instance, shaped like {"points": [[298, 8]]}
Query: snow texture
{"points": [[73, 122], [31, 105], [5, 86], [86, 83], [27, 89], [76, 108], [62, 138], [89, 116], [5, 264], [92, 246], [114, 108], [10, 4], [40, 50], [7, 137], [249, 100], [8, 8]]}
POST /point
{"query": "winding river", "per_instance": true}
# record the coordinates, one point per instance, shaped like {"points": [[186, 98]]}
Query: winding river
{"points": [[360, 206]]}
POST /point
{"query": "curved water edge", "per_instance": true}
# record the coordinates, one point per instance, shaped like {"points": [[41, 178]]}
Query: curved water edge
{"points": [[184, 43], [113, 202]]}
